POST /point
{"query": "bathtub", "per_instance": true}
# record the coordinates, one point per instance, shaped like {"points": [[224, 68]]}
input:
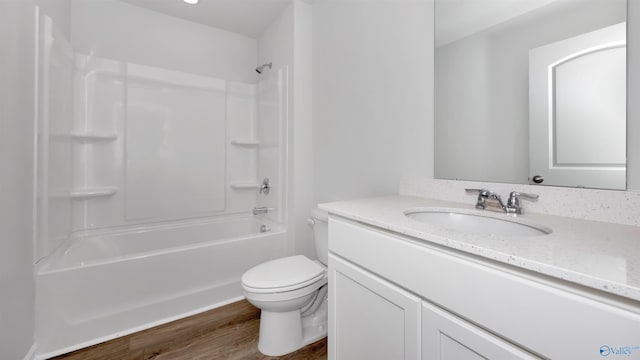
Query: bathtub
{"points": [[101, 285]]}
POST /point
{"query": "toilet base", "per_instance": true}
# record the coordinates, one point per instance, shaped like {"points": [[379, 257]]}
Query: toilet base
{"points": [[285, 332], [315, 325], [280, 332]]}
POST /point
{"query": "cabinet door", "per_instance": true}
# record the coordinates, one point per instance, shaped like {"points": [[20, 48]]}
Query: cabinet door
{"points": [[369, 318], [448, 337]]}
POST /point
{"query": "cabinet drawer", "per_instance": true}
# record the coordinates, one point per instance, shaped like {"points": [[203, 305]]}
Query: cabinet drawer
{"points": [[551, 321]]}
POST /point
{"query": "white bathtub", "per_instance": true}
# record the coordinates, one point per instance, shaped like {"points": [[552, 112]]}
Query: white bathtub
{"points": [[103, 285]]}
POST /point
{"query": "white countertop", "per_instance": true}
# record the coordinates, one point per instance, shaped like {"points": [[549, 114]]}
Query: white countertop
{"points": [[595, 254]]}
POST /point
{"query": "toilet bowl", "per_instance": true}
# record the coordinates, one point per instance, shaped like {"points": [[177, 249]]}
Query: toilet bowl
{"points": [[291, 293]]}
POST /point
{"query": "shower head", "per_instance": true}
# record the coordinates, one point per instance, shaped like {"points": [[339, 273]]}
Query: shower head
{"points": [[260, 68]]}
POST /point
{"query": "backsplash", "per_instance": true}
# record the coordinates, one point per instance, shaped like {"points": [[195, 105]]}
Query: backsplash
{"points": [[621, 207]]}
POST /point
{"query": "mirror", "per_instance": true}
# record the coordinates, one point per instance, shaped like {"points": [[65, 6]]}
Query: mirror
{"points": [[531, 92]]}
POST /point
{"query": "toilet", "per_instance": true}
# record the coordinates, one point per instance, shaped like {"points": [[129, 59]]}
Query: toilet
{"points": [[291, 293]]}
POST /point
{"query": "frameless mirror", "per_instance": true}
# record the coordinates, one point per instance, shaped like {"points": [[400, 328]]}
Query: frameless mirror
{"points": [[531, 91]]}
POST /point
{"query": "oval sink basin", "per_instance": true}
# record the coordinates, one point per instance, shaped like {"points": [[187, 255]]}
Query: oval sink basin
{"points": [[476, 223]]}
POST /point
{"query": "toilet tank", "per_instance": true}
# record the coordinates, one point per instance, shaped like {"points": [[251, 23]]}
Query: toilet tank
{"points": [[320, 223]]}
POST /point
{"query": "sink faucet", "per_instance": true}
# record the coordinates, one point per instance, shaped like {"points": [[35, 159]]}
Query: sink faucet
{"points": [[488, 198], [494, 201], [262, 210], [513, 203]]}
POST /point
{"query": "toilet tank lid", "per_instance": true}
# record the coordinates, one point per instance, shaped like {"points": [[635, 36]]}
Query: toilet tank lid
{"points": [[283, 272], [319, 214]]}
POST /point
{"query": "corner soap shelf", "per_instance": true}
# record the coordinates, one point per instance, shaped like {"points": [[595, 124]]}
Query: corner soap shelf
{"points": [[92, 192], [245, 185], [92, 137], [245, 142]]}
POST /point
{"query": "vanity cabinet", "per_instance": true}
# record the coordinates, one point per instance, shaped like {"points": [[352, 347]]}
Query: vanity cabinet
{"points": [[396, 297], [373, 319]]}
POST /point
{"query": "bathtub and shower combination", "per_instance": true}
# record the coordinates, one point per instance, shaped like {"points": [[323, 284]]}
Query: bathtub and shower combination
{"points": [[148, 170]]}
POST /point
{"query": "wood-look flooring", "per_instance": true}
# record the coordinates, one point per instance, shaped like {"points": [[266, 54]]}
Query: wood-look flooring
{"points": [[229, 332]]}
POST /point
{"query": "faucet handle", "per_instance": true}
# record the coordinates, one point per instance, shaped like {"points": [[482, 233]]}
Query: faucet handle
{"points": [[479, 191], [513, 203], [516, 195], [482, 195], [265, 187]]}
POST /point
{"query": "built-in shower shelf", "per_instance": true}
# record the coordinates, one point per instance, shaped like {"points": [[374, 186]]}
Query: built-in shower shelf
{"points": [[245, 185], [91, 137], [91, 192], [58, 194], [245, 142]]}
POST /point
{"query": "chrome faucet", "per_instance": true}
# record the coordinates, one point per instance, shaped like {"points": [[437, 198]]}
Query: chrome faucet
{"points": [[513, 203], [262, 210], [492, 200], [487, 196], [265, 187]]}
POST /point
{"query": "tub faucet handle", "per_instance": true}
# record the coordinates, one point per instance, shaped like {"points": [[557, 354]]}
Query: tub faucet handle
{"points": [[265, 187]]}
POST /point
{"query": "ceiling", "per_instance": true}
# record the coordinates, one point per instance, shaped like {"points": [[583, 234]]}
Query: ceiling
{"points": [[246, 17], [456, 19]]}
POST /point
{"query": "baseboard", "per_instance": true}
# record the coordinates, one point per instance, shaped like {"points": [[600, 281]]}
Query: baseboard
{"points": [[31, 354]]}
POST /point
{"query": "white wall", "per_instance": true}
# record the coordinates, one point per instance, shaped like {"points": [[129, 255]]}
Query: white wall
{"points": [[372, 93], [119, 31], [16, 184], [484, 77], [302, 130]]}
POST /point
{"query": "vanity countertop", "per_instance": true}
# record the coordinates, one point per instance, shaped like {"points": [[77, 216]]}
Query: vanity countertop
{"points": [[599, 255]]}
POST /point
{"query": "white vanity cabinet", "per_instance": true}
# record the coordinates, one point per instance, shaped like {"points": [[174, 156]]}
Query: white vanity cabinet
{"points": [[372, 318], [397, 297]]}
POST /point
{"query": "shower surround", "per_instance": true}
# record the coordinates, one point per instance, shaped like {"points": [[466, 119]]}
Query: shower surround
{"points": [[149, 165]]}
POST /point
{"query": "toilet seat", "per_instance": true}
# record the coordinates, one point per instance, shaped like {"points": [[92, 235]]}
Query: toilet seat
{"points": [[283, 275], [284, 296]]}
